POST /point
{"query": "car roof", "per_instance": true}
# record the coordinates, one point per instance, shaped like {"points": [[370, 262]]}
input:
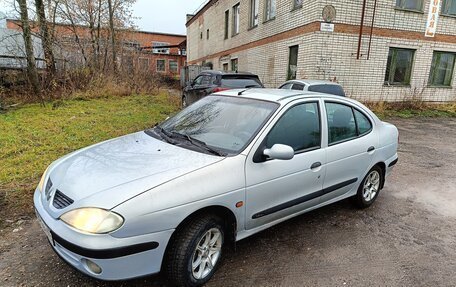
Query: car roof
{"points": [[311, 82], [213, 72], [279, 95]]}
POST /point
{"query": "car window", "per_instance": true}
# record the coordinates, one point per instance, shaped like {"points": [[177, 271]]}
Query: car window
{"points": [[286, 86], [341, 122], [299, 128], [198, 80], [328, 89], [241, 82], [298, 87], [206, 80], [363, 123]]}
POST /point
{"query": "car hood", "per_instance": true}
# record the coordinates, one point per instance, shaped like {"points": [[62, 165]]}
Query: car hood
{"points": [[109, 173]]}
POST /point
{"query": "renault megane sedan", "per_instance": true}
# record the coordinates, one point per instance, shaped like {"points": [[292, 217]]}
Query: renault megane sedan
{"points": [[173, 198]]}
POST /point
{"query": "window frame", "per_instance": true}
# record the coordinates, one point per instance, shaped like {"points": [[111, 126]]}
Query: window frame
{"points": [[164, 66], [402, 4], [254, 9], [442, 12], [358, 136], [169, 66], [387, 82], [297, 152], [432, 70], [236, 27], [296, 5], [267, 7], [227, 24]]}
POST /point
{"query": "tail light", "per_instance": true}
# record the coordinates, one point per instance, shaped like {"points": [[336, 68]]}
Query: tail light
{"points": [[218, 89]]}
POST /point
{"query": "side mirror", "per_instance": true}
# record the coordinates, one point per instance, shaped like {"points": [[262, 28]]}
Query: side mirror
{"points": [[279, 151]]}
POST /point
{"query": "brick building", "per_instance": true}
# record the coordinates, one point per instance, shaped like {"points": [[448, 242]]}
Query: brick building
{"points": [[377, 49], [156, 52]]}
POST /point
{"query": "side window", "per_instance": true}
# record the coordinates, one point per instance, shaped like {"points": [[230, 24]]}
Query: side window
{"points": [[341, 122], [287, 86], [364, 125], [198, 80], [206, 80], [298, 87], [299, 128]]}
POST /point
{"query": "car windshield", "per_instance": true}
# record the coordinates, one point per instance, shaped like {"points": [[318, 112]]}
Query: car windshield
{"points": [[241, 82], [219, 124]]}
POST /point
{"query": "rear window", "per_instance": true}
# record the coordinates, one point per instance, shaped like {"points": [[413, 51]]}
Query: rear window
{"points": [[328, 89], [241, 82]]}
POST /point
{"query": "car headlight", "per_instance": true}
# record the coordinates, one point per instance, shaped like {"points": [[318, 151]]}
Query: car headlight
{"points": [[42, 180], [93, 220]]}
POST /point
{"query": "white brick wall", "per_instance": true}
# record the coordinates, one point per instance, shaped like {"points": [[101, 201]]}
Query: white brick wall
{"points": [[325, 55]]}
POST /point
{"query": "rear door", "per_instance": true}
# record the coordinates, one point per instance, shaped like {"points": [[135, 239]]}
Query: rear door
{"points": [[351, 148]]}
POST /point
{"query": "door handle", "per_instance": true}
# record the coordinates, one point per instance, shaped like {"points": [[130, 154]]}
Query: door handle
{"points": [[315, 165], [371, 149]]}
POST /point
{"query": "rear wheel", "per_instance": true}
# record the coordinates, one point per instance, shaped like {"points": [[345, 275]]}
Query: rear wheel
{"points": [[370, 187], [195, 252]]}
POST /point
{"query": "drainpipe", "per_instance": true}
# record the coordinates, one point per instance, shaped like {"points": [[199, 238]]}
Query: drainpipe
{"points": [[372, 30], [363, 14]]}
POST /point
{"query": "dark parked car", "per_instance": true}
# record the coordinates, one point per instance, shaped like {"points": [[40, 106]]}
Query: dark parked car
{"points": [[209, 82], [318, 86]]}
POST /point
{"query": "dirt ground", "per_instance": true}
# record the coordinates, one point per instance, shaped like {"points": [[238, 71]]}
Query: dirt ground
{"points": [[407, 238]]}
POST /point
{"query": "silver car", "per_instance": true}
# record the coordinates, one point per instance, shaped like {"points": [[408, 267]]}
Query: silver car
{"points": [[173, 198], [319, 86]]}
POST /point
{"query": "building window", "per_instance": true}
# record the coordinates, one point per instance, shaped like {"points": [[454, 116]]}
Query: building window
{"points": [[143, 64], [157, 50], [234, 65], [399, 66], [292, 63], [254, 11], [270, 11], [442, 69], [207, 34], [173, 66], [227, 23], [297, 4], [449, 7], [416, 5], [225, 66], [161, 66], [236, 19]]}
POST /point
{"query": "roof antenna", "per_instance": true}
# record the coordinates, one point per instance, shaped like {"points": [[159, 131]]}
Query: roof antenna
{"points": [[241, 92]]}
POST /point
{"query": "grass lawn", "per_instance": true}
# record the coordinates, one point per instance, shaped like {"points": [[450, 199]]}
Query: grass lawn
{"points": [[33, 136]]}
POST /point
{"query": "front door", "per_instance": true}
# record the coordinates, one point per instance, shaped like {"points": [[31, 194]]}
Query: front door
{"points": [[278, 188]]}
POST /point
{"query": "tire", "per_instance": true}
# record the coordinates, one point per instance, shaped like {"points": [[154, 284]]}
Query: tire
{"points": [[189, 247], [184, 102], [369, 188]]}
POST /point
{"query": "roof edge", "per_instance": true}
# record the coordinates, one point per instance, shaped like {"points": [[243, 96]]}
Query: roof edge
{"points": [[201, 11]]}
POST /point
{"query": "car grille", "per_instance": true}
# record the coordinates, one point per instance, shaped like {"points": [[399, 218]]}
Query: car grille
{"points": [[61, 200]]}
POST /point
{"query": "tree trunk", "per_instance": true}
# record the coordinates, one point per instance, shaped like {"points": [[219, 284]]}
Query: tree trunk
{"points": [[45, 37], [27, 35], [113, 36]]}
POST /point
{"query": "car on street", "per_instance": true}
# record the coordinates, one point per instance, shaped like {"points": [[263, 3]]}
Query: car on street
{"points": [[320, 86], [174, 198], [208, 82]]}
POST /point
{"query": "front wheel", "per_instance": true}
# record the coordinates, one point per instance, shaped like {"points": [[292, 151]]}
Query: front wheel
{"points": [[195, 252], [370, 188]]}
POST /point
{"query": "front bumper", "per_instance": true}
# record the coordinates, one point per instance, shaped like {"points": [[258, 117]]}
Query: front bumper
{"points": [[118, 258]]}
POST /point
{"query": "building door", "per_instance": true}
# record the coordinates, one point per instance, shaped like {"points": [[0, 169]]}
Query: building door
{"points": [[293, 63], [225, 66], [234, 65]]}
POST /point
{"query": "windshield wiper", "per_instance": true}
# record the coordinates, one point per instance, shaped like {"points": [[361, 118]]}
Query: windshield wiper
{"points": [[196, 142]]}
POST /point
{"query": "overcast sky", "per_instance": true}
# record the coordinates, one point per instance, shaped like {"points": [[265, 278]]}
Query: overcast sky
{"points": [[164, 16], [156, 15]]}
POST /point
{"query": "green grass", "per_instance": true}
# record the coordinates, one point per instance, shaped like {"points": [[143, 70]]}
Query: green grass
{"points": [[33, 136]]}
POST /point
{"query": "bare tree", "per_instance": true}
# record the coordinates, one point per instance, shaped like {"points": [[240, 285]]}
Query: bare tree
{"points": [[45, 36], [113, 35], [32, 72]]}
